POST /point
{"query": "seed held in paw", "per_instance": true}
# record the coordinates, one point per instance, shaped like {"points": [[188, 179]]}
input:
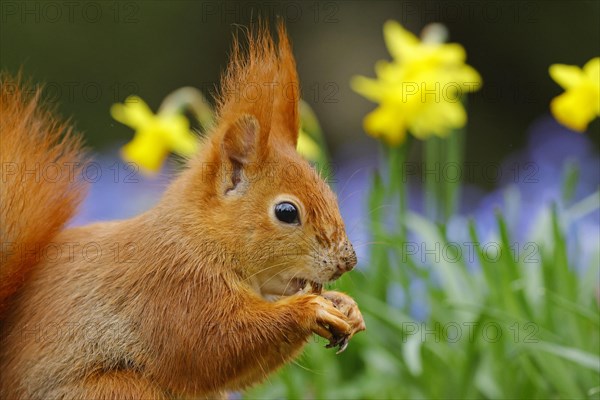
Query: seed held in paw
{"points": [[309, 287]]}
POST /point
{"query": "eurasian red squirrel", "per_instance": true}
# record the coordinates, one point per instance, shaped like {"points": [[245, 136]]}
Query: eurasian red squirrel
{"points": [[204, 294]]}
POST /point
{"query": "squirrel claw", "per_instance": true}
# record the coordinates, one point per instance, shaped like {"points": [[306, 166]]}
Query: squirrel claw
{"points": [[343, 345], [341, 342], [348, 307]]}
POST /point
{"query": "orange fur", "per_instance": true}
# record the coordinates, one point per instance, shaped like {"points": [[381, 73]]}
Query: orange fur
{"points": [[33, 147], [197, 296]]}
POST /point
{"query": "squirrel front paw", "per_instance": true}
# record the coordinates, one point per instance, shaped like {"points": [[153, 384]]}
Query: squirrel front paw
{"points": [[354, 318], [333, 315], [337, 318], [349, 308], [329, 322]]}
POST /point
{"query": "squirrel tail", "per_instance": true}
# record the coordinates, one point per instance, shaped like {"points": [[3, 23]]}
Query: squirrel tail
{"points": [[40, 170]]}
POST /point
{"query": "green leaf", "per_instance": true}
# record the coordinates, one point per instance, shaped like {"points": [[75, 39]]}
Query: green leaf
{"points": [[454, 279], [570, 180], [585, 359], [412, 354]]}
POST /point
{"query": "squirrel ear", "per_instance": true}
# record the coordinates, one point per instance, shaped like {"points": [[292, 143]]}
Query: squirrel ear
{"points": [[241, 139], [241, 146]]}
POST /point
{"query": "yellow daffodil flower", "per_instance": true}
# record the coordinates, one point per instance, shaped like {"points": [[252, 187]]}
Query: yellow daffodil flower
{"points": [[420, 90], [310, 133], [156, 135], [307, 147], [580, 103]]}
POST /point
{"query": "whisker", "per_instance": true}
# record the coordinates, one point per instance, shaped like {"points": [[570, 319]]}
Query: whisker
{"points": [[358, 245], [274, 275], [266, 269], [290, 281], [341, 202], [349, 179]]}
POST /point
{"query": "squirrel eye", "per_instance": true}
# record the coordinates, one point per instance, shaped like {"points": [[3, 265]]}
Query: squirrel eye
{"points": [[287, 212]]}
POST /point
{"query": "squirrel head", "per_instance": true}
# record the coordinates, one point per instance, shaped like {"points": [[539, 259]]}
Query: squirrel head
{"points": [[249, 200]]}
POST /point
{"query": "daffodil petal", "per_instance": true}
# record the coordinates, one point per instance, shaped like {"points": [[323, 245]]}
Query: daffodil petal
{"points": [[138, 112], [390, 72], [367, 87], [452, 53], [438, 118], [145, 152], [398, 40], [134, 112], [386, 123], [566, 76], [307, 147], [185, 144], [468, 78], [454, 115], [173, 126], [574, 109], [116, 111], [592, 70]]}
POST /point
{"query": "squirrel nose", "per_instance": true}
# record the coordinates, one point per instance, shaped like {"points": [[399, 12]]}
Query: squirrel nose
{"points": [[348, 261]]}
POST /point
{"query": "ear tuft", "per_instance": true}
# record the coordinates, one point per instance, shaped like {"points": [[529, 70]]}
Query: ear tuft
{"points": [[286, 112], [267, 69]]}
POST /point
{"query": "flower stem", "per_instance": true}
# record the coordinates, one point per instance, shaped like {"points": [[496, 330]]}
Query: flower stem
{"points": [[433, 155], [398, 181], [452, 172], [192, 98]]}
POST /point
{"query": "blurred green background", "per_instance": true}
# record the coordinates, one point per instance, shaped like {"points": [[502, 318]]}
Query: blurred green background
{"points": [[93, 54]]}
